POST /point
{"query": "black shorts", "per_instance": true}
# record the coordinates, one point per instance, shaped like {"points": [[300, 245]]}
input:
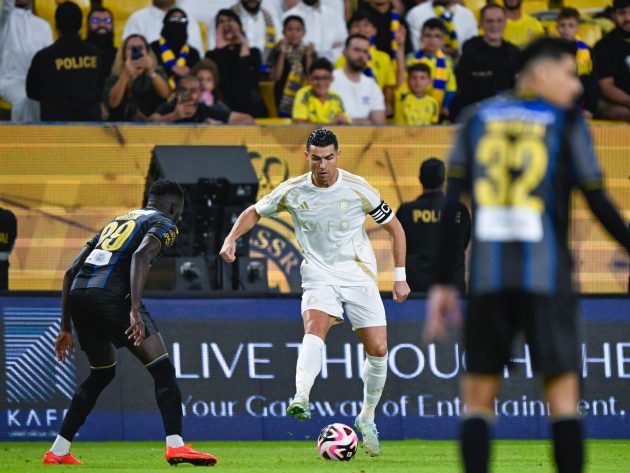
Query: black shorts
{"points": [[550, 324], [101, 317]]}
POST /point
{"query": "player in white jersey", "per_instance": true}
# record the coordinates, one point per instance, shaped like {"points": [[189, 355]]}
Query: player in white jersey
{"points": [[328, 207]]}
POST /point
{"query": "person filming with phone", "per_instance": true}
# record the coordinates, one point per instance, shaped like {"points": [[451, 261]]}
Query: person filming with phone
{"points": [[137, 85], [186, 107]]}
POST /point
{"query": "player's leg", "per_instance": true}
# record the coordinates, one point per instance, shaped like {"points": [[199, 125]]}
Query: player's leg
{"points": [[317, 306], [374, 341], [101, 355], [490, 326], [554, 344], [478, 393], [562, 393], [153, 354], [365, 310]]}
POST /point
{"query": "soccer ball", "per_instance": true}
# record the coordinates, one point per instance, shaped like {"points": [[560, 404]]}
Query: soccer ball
{"points": [[337, 442]]}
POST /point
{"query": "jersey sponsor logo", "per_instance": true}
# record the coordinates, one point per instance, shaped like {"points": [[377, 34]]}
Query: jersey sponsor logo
{"points": [[508, 224], [76, 62], [99, 257]]}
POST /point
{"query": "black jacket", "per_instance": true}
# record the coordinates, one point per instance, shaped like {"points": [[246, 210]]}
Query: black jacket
{"points": [[64, 78], [420, 220]]}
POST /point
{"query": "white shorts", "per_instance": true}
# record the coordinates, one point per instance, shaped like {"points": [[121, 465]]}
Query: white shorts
{"points": [[362, 304]]}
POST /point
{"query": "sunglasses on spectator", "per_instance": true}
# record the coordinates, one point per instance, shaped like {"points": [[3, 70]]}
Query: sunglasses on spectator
{"points": [[178, 19], [96, 21]]}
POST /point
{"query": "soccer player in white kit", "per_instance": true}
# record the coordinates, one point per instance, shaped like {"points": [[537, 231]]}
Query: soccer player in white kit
{"points": [[328, 207]]}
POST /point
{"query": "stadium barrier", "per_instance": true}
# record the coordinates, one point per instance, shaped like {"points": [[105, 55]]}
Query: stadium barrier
{"points": [[64, 181], [235, 360]]}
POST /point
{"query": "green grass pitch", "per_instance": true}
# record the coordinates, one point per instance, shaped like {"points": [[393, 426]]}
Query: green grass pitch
{"points": [[398, 456]]}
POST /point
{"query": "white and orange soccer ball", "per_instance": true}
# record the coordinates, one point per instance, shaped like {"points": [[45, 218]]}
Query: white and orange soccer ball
{"points": [[337, 442]]}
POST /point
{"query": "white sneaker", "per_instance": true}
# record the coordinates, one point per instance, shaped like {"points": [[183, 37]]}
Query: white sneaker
{"points": [[370, 436], [299, 409]]}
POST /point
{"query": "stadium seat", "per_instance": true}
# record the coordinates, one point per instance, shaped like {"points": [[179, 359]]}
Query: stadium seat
{"points": [[475, 6], [268, 96], [589, 31], [203, 27], [46, 10], [586, 5], [605, 24]]}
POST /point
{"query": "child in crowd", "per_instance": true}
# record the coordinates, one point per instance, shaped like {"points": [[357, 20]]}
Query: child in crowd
{"points": [[414, 106], [444, 85], [288, 63], [568, 24], [317, 103], [207, 73]]}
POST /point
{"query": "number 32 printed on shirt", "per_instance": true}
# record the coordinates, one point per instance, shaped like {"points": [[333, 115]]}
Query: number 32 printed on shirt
{"points": [[515, 158]]}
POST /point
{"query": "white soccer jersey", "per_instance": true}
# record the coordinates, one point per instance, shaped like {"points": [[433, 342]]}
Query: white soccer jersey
{"points": [[329, 226]]}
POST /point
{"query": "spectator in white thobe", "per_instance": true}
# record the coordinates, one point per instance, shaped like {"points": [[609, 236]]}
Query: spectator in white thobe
{"points": [[22, 34]]}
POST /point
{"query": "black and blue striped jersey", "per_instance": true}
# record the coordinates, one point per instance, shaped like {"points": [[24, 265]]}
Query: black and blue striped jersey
{"points": [[519, 158], [108, 264]]}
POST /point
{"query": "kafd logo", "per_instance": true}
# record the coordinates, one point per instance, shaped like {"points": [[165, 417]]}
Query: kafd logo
{"points": [[33, 374]]}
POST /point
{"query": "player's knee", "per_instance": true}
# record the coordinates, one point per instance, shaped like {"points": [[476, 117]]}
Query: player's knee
{"points": [[378, 349]]}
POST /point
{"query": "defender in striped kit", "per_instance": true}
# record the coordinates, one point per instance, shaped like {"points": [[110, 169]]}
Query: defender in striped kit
{"points": [[102, 298]]}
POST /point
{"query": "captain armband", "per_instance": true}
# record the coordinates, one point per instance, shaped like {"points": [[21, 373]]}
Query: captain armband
{"points": [[382, 213]]}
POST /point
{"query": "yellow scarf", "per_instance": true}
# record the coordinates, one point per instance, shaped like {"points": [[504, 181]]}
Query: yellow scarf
{"points": [[583, 58], [447, 16], [169, 60], [440, 77]]}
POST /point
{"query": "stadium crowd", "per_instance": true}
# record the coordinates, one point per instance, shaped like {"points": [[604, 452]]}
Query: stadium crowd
{"points": [[405, 62]]}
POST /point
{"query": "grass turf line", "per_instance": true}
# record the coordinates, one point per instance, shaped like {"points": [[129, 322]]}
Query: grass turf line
{"points": [[612, 456]]}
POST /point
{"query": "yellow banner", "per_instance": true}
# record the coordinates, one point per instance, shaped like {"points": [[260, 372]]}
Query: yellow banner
{"points": [[63, 182]]}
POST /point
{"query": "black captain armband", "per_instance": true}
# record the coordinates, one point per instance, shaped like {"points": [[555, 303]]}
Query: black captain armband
{"points": [[382, 213]]}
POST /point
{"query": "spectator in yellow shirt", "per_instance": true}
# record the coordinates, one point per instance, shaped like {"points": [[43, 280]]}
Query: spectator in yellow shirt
{"points": [[317, 103], [380, 65], [520, 28], [414, 106], [443, 85]]}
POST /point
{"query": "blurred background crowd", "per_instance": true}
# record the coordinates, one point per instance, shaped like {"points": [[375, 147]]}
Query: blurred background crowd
{"points": [[403, 62]]}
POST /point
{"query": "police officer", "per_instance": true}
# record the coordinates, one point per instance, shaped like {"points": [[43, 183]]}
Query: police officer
{"points": [[64, 77], [8, 233], [420, 221]]}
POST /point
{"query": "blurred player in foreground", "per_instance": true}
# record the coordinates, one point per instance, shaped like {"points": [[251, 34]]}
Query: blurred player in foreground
{"points": [[328, 206], [102, 298], [519, 156]]}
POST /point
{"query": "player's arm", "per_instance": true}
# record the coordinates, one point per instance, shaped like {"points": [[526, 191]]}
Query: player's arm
{"points": [[65, 342], [244, 223], [140, 264], [401, 289], [588, 176]]}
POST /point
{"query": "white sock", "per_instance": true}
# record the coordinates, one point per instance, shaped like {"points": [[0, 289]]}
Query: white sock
{"points": [[60, 447], [309, 364], [174, 441], [374, 376]]}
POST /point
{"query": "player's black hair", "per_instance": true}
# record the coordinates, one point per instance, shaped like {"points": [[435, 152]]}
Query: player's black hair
{"points": [[321, 63], [290, 18], [354, 36], [164, 187], [321, 138], [420, 67], [544, 48], [434, 24]]}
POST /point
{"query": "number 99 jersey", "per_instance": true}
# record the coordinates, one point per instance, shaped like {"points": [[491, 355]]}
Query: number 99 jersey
{"points": [[108, 264], [519, 159]]}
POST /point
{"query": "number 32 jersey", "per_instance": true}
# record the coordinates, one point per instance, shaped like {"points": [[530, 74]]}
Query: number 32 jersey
{"points": [[520, 159], [329, 226], [108, 265]]}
